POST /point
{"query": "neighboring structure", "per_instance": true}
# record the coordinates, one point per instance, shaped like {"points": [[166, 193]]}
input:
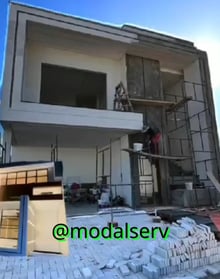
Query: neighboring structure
{"points": [[59, 82]]}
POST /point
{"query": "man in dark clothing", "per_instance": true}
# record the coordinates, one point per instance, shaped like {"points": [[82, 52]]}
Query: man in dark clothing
{"points": [[152, 138]]}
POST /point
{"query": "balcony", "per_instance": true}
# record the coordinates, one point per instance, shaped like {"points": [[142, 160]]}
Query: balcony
{"points": [[72, 97]]}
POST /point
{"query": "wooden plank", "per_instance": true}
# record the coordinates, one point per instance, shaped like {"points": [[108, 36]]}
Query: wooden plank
{"points": [[149, 102], [179, 104], [214, 180], [165, 157]]}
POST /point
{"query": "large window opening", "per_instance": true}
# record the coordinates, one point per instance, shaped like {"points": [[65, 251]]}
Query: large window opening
{"points": [[72, 87]]}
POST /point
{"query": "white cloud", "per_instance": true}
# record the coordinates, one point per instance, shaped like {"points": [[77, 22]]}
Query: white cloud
{"points": [[212, 47]]}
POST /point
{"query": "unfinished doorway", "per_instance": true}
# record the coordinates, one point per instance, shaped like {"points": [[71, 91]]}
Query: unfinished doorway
{"points": [[72, 87]]}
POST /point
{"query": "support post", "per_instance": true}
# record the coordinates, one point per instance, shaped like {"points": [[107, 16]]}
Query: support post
{"points": [[112, 223], [96, 165], [110, 180]]}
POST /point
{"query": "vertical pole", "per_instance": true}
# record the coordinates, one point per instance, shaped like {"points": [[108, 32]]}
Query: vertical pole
{"points": [[152, 176], [103, 161], [51, 152], [110, 180], [134, 185], [121, 172], [5, 148], [97, 155], [56, 148]]}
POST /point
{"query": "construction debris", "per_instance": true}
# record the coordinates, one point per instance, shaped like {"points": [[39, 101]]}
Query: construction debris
{"points": [[189, 246], [204, 216]]}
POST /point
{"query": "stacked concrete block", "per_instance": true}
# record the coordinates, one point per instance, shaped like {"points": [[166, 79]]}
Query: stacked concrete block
{"points": [[87, 273], [159, 261], [124, 270], [151, 271], [135, 265], [77, 274], [188, 246], [146, 256], [111, 263], [126, 255], [135, 256]]}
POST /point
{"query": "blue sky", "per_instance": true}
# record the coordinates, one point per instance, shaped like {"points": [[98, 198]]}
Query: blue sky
{"points": [[195, 20]]}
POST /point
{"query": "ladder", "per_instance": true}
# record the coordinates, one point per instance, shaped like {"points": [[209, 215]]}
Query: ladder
{"points": [[122, 101]]}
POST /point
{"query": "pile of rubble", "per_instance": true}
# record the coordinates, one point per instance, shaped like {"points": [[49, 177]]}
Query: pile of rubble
{"points": [[187, 247]]}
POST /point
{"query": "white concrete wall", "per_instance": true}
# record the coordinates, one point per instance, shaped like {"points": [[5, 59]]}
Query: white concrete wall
{"points": [[19, 25], [121, 172], [34, 112], [81, 164], [37, 53], [76, 162], [28, 58]]}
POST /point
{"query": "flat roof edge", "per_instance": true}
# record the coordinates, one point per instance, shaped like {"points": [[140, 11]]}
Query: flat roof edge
{"points": [[54, 12], [157, 35], [133, 32]]}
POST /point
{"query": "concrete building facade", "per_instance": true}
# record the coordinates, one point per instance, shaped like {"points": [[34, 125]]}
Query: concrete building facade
{"points": [[59, 83]]}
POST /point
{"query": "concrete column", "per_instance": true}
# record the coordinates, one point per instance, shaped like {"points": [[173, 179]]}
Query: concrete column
{"points": [[8, 69], [126, 170], [205, 74], [19, 61], [7, 139]]}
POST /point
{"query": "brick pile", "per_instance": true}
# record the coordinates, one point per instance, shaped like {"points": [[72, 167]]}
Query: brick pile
{"points": [[188, 246]]}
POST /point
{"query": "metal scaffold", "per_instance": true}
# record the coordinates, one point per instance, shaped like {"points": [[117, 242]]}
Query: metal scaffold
{"points": [[192, 133]]}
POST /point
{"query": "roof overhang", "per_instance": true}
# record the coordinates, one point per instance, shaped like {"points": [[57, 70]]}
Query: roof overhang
{"points": [[131, 39]]}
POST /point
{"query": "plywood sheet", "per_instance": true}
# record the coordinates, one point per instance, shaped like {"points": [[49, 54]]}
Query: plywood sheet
{"points": [[151, 102], [135, 78], [151, 73]]}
